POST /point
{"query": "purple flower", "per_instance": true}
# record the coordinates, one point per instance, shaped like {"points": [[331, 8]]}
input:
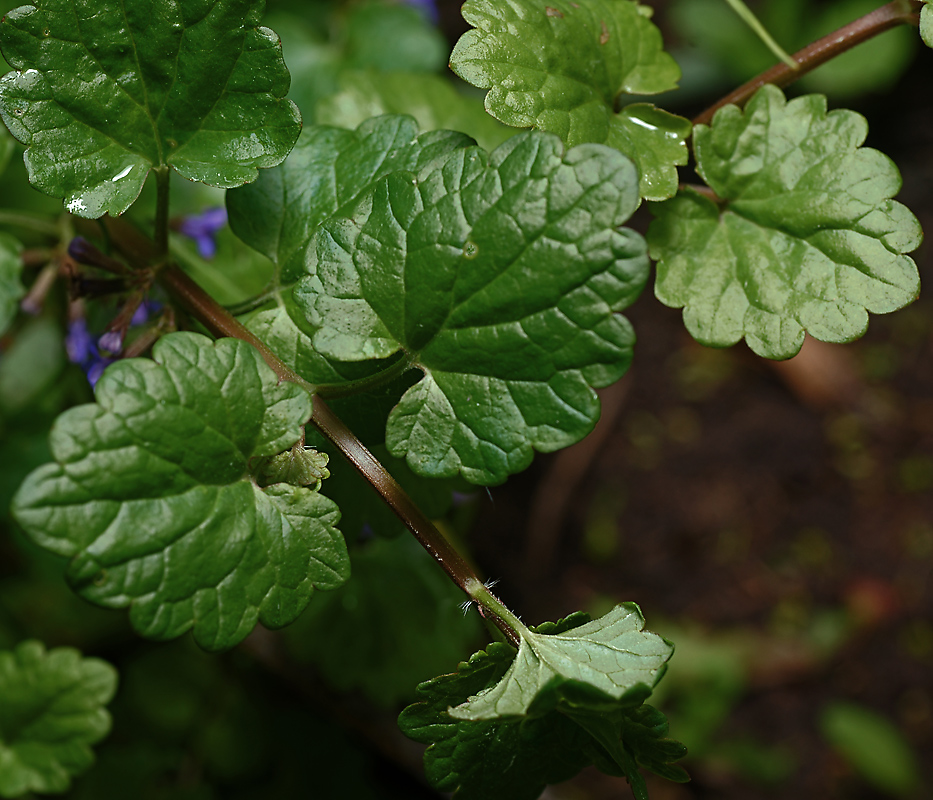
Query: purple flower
{"points": [[143, 311], [81, 349], [203, 229], [111, 342]]}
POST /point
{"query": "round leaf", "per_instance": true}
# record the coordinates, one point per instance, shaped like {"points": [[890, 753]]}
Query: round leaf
{"points": [[150, 495], [500, 276], [104, 91], [51, 711], [805, 238]]}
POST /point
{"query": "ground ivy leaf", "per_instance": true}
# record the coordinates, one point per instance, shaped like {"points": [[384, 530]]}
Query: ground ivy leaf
{"points": [[612, 654], [806, 238], [11, 287], [150, 496], [561, 68], [926, 24], [555, 725], [490, 759], [430, 99], [51, 712], [499, 276], [328, 169], [103, 92]]}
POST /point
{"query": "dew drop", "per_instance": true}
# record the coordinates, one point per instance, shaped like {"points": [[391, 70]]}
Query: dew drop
{"points": [[470, 250], [45, 33]]}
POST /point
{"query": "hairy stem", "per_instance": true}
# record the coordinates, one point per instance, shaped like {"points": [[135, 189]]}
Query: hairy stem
{"points": [[898, 12], [220, 322]]}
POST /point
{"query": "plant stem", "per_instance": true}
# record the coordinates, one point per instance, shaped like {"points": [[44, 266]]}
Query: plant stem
{"points": [[220, 322], [897, 12], [23, 219], [160, 237]]}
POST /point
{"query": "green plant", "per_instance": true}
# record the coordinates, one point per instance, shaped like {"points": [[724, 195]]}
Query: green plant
{"points": [[454, 306]]}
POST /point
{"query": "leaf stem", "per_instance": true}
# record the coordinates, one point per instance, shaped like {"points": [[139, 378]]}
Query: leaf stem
{"points": [[220, 322], [369, 383], [897, 12], [160, 237]]}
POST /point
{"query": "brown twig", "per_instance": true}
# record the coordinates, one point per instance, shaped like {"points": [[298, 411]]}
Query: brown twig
{"points": [[897, 12]]}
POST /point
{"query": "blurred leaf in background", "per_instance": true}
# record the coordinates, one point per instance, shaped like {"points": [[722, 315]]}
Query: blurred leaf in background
{"points": [[872, 746], [717, 49]]}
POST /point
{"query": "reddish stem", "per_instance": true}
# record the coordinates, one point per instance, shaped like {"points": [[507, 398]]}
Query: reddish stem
{"points": [[897, 12]]}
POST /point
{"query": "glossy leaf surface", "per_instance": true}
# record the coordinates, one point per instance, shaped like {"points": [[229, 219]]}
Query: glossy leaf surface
{"points": [[499, 277], [561, 68], [11, 287], [806, 238], [103, 92], [549, 729], [51, 712], [328, 169], [151, 496]]}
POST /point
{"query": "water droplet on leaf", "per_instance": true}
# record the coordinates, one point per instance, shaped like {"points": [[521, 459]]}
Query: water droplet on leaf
{"points": [[470, 250]]}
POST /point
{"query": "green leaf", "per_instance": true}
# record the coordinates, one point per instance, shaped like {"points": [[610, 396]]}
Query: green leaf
{"points": [[926, 24], [7, 146], [398, 610], [430, 99], [554, 726], [11, 287], [805, 238], [393, 36], [28, 368], [499, 277], [873, 746], [51, 711], [612, 654], [150, 496], [562, 68], [328, 168], [104, 92]]}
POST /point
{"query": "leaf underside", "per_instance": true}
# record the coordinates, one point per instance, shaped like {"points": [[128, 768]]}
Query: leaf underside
{"points": [[561, 67], [151, 497], [103, 92], [806, 238], [499, 277], [51, 712], [544, 727]]}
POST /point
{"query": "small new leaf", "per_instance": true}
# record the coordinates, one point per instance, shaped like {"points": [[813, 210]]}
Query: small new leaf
{"points": [[151, 496], [11, 287], [499, 277], [562, 66], [926, 24], [493, 736], [805, 238], [102, 92], [300, 466], [51, 712]]}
